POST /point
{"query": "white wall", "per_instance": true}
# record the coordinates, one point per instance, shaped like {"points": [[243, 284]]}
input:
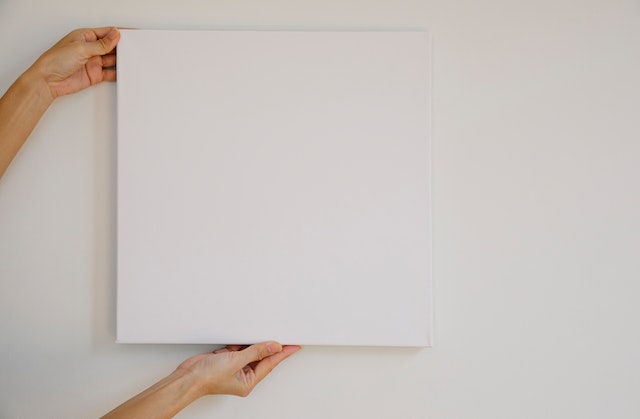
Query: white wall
{"points": [[536, 146]]}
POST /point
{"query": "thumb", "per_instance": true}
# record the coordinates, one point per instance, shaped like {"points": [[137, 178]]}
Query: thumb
{"points": [[258, 352], [103, 45]]}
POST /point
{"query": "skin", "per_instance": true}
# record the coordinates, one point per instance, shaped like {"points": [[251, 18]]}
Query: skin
{"points": [[229, 370], [81, 59]]}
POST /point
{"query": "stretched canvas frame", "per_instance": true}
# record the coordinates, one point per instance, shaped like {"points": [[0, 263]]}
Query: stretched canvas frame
{"points": [[274, 185]]}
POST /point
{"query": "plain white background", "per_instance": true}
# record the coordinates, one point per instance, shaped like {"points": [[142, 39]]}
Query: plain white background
{"points": [[535, 179]]}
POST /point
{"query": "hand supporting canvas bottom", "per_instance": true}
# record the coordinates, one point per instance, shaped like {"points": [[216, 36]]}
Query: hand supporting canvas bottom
{"points": [[234, 370]]}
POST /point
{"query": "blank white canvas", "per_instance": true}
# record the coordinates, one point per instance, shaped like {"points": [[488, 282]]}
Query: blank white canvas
{"points": [[274, 185]]}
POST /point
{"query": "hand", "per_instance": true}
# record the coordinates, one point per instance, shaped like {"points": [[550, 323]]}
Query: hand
{"points": [[236, 369], [81, 59]]}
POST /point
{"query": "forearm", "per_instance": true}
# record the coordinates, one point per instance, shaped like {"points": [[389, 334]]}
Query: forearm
{"points": [[20, 110], [162, 400]]}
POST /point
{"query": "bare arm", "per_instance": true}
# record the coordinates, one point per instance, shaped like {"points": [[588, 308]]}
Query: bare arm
{"points": [[20, 109], [81, 59], [230, 370]]}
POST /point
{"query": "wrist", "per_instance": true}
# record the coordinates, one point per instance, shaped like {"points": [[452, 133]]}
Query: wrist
{"points": [[191, 385], [33, 83]]}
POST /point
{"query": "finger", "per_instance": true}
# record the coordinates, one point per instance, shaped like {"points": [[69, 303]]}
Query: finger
{"points": [[264, 367], [103, 45], [229, 348], [258, 352], [109, 60], [100, 32], [87, 34], [109, 74]]}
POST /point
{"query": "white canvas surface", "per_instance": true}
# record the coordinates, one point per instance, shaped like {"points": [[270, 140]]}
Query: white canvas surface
{"points": [[274, 185]]}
